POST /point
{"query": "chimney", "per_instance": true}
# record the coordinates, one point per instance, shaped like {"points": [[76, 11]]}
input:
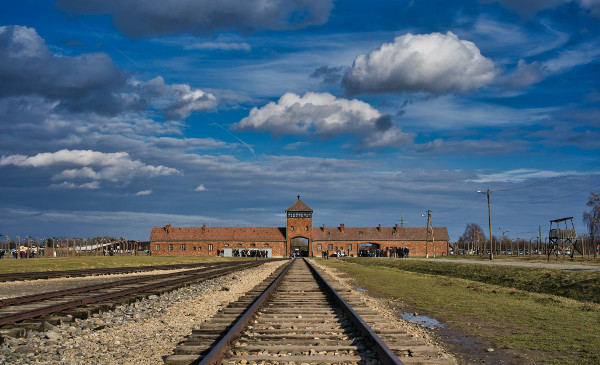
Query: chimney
{"points": [[342, 227], [379, 227], [396, 227], [323, 226], [203, 227]]}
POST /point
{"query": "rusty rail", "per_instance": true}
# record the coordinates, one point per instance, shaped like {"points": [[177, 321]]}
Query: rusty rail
{"points": [[59, 307], [386, 355]]}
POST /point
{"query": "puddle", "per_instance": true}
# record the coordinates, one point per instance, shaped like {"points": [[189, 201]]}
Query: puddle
{"points": [[361, 289], [424, 321]]}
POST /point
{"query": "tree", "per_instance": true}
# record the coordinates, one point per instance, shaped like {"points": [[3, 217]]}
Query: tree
{"points": [[473, 236], [592, 218]]}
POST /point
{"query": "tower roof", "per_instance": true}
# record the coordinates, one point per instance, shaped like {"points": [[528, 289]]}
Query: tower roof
{"points": [[299, 206]]}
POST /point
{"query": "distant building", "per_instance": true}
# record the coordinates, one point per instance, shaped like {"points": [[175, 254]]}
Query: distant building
{"points": [[299, 237]]}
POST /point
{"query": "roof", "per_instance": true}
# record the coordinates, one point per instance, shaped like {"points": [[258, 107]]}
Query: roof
{"points": [[299, 206], [249, 234], [378, 234]]}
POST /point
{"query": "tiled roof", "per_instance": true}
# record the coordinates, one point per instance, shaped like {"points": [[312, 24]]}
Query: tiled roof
{"points": [[299, 206], [169, 233], [377, 234]]}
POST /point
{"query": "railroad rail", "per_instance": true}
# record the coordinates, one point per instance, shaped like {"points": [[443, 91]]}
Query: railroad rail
{"points": [[35, 275], [33, 311], [300, 316]]}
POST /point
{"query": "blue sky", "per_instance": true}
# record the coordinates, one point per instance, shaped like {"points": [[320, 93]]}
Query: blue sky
{"points": [[120, 116]]}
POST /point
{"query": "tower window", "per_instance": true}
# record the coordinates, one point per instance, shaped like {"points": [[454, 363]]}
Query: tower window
{"points": [[306, 228], [291, 228]]}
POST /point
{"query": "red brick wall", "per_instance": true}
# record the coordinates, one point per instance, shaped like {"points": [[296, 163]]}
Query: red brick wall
{"points": [[416, 248], [195, 248]]}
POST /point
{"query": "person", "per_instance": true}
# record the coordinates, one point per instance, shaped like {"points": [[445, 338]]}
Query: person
{"points": [[406, 251]]}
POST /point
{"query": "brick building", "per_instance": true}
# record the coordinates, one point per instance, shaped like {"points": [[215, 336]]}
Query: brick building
{"points": [[297, 236]]}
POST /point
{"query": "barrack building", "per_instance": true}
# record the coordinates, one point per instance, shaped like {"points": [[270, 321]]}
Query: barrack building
{"points": [[297, 237]]}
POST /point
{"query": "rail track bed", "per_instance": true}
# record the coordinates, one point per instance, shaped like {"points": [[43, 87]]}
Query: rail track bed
{"points": [[35, 312], [296, 317], [37, 275]]}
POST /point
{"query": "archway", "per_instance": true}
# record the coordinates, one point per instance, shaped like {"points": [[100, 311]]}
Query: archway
{"points": [[369, 249], [299, 246]]}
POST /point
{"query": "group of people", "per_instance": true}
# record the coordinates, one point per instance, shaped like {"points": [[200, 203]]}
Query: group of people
{"points": [[248, 253], [397, 252], [23, 254]]}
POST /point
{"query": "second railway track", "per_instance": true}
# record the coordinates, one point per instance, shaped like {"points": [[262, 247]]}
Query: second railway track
{"points": [[297, 317], [31, 312]]}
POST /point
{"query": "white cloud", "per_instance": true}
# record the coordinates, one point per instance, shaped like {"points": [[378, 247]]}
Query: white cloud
{"points": [[515, 176], [144, 192], [220, 46], [435, 63], [525, 75], [326, 116], [110, 166], [69, 185], [178, 100], [200, 188]]}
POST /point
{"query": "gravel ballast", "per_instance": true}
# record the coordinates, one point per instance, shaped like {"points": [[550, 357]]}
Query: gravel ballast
{"points": [[142, 332]]}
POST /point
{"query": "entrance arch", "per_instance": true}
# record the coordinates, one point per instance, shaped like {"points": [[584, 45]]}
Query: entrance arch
{"points": [[299, 246], [369, 249]]}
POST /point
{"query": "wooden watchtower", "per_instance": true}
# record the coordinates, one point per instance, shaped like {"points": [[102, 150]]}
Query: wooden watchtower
{"points": [[561, 239]]}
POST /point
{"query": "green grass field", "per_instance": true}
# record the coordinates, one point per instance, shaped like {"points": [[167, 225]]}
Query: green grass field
{"points": [[539, 327], [96, 262]]}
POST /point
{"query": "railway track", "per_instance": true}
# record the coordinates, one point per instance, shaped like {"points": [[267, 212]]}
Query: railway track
{"points": [[297, 316], [32, 312], [36, 275]]}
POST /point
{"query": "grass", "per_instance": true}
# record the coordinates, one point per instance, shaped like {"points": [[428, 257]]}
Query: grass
{"points": [[578, 285], [96, 262], [538, 327]]}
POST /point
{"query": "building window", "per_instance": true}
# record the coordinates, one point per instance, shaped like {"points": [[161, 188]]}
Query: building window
{"points": [[349, 248], [210, 248], [194, 248], [291, 228], [253, 245], [157, 248], [330, 247], [267, 245], [239, 245], [199, 248], [319, 247], [183, 247], [227, 245], [306, 228], [359, 232], [170, 247]]}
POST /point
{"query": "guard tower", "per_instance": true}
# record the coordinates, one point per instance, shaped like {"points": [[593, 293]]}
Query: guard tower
{"points": [[561, 239], [299, 229]]}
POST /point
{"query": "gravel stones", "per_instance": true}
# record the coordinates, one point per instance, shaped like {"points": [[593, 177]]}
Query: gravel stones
{"points": [[142, 332]]}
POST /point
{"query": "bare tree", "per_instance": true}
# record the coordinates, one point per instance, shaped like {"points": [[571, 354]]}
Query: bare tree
{"points": [[592, 218], [473, 236]]}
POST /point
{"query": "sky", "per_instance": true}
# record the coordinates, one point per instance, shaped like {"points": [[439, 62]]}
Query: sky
{"points": [[119, 116]]}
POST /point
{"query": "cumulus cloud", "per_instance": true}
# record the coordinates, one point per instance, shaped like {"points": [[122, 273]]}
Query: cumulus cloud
{"points": [[435, 63], [326, 116], [144, 18], [85, 82], [114, 167], [144, 192], [177, 100], [200, 188]]}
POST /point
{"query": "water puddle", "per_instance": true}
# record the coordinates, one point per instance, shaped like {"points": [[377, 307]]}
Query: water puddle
{"points": [[361, 289], [424, 321]]}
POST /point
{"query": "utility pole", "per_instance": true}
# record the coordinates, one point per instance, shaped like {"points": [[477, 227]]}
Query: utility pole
{"points": [[490, 222], [428, 233]]}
